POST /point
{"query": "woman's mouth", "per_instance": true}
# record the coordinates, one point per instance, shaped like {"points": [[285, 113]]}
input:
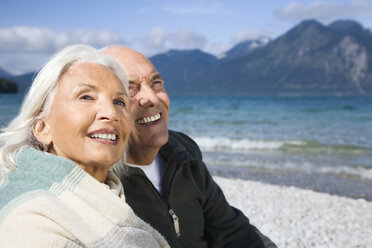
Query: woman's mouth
{"points": [[104, 136]]}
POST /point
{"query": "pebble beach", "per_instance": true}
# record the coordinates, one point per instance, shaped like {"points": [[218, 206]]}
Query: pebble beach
{"points": [[298, 218]]}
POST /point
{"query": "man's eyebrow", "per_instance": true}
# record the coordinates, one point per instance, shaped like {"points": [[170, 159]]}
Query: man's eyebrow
{"points": [[156, 76]]}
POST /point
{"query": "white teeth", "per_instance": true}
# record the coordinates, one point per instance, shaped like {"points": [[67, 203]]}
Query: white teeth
{"points": [[104, 136], [146, 120]]}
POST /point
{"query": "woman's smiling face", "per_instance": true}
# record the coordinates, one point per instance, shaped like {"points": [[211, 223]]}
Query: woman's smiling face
{"points": [[89, 122]]}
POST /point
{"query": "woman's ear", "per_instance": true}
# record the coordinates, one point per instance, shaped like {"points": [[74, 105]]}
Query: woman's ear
{"points": [[42, 133]]}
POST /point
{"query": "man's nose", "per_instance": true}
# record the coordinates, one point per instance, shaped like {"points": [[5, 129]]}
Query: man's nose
{"points": [[146, 96]]}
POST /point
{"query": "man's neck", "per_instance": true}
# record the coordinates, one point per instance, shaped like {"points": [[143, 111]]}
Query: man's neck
{"points": [[142, 156]]}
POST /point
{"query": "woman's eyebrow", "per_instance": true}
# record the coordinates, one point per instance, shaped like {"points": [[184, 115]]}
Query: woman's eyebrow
{"points": [[83, 86], [122, 94]]}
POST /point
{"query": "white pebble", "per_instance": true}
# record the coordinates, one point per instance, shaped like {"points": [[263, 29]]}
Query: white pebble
{"points": [[296, 218]]}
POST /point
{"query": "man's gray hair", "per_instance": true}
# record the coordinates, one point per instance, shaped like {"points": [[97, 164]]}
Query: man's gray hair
{"points": [[38, 100]]}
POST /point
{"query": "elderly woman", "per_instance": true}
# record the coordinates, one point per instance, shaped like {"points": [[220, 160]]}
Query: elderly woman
{"points": [[57, 188]]}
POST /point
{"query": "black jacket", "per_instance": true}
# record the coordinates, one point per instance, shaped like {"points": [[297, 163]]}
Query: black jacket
{"points": [[192, 211]]}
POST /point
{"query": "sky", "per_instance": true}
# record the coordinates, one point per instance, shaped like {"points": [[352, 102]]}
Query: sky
{"points": [[32, 31]]}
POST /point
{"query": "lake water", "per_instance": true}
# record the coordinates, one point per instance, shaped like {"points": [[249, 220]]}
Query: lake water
{"points": [[322, 143]]}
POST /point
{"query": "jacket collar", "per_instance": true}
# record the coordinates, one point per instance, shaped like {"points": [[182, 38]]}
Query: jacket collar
{"points": [[175, 155], [175, 151]]}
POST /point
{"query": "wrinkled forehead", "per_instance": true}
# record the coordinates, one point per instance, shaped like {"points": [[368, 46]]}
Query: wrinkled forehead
{"points": [[136, 65], [140, 71]]}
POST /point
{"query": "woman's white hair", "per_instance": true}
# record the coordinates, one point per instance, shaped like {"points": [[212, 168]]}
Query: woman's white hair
{"points": [[38, 101]]}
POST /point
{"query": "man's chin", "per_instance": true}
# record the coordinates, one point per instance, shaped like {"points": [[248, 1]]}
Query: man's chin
{"points": [[153, 140]]}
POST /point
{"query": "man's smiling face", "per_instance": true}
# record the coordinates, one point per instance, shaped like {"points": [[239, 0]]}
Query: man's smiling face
{"points": [[149, 104]]}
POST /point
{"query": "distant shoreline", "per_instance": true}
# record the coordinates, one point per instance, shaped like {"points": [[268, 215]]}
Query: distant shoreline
{"points": [[352, 187]]}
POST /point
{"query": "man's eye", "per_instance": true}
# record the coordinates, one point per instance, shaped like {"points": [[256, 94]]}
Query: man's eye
{"points": [[157, 84], [132, 90]]}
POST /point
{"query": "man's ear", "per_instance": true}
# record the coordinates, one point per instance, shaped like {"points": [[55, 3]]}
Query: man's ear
{"points": [[42, 133]]}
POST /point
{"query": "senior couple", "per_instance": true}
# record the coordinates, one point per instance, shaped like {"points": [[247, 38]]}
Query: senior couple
{"points": [[69, 179]]}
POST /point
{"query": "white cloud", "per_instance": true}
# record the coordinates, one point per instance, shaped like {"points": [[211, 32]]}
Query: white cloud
{"points": [[325, 11], [156, 39], [28, 39], [24, 49], [188, 39], [20, 63], [159, 40], [219, 48], [244, 35], [42, 40], [97, 39]]}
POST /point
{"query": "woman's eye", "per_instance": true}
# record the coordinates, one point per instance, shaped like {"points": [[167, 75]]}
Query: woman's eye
{"points": [[86, 97], [119, 102]]}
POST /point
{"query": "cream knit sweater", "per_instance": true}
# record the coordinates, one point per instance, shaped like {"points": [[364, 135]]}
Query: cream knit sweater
{"points": [[51, 202]]}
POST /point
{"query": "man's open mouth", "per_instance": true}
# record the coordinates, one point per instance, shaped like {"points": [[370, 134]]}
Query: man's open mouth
{"points": [[148, 120]]}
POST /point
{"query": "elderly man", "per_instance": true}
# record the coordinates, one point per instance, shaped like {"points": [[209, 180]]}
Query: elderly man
{"points": [[167, 184]]}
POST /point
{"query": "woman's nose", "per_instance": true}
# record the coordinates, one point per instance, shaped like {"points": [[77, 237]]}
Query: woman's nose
{"points": [[107, 111]]}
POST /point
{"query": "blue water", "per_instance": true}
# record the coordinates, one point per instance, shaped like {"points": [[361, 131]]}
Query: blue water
{"points": [[302, 134], [297, 134]]}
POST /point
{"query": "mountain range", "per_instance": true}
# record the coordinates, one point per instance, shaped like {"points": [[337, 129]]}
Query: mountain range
{"points": [[309, 59], [4, 74]]}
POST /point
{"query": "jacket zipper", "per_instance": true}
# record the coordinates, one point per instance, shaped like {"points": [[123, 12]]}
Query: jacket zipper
{"points": [[175, 222], [166, 205], [166, 191]]}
